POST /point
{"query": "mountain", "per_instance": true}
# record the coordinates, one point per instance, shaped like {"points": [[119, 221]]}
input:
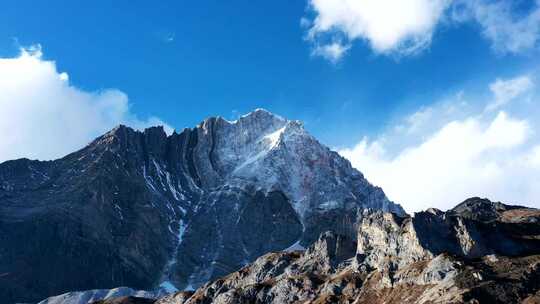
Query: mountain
{"points": [[148, 210], [478, 252]]}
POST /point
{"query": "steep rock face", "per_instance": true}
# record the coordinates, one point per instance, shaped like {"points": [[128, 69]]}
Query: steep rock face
{"points": [[194, 205], [474, 228], [83, 218], [398, 260], [280, 277]]}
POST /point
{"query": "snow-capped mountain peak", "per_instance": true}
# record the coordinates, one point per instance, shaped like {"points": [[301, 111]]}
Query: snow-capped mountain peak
{"points": [[196, 204]]}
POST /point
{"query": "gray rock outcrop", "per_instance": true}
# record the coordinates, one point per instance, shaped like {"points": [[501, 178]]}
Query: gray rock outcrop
{"points": [[433, 257]]}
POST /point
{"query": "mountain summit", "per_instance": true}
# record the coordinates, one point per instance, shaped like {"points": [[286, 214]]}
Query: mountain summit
{"points": [[194, 205]]}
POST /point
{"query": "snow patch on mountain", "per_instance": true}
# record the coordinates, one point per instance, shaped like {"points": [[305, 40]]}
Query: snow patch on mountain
{"points": [[295, 247], [89, 296]]}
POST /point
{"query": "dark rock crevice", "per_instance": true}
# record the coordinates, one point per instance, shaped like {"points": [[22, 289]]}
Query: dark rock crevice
{"points": [[192, 139]]}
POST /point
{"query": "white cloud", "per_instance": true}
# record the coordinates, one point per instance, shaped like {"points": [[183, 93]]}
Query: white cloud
{"points": [[42, 116], [406, 27], [508, 31], [494, 155], [505, 91], [332, 52]]}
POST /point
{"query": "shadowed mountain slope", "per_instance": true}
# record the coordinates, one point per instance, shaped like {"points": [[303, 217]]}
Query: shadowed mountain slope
{"points": [[148, 210]]}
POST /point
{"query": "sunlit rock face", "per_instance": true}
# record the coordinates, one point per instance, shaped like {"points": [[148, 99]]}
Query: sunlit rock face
{"points": [[397, 259], [148, 210]]}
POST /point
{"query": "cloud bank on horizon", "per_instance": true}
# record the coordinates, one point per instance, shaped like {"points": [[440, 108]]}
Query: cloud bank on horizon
{"points": [[407, 27], [455, 149], [44, 117]]}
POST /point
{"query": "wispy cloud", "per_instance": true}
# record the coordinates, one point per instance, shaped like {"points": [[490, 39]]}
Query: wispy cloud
{"points": [[165, 36], [170, 37], [43, 116], [333, 52], [508, 31], [504, 91]]}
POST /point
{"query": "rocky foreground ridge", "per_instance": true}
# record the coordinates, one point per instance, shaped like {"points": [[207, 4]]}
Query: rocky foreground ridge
{"points": [[477, 252], [170, 212]]}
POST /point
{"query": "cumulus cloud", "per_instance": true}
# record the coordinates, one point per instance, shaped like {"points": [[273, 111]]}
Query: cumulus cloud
{"points": [[406, 27], [43, 116], [446, 158]]}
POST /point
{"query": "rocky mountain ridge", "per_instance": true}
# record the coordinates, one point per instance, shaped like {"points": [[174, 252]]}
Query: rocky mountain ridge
{"points": [[478, 252], [211, 199]]}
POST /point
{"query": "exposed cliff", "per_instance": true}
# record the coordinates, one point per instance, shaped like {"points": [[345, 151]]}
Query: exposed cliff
{"points": [[478, 252]]}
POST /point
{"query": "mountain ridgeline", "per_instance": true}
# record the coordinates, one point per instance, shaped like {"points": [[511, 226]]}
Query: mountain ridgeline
{"points": [[150, 211], [478, 252]]}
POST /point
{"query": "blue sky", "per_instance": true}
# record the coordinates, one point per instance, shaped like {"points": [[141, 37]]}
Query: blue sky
{"points": [[240, 55], [354, 73]]}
